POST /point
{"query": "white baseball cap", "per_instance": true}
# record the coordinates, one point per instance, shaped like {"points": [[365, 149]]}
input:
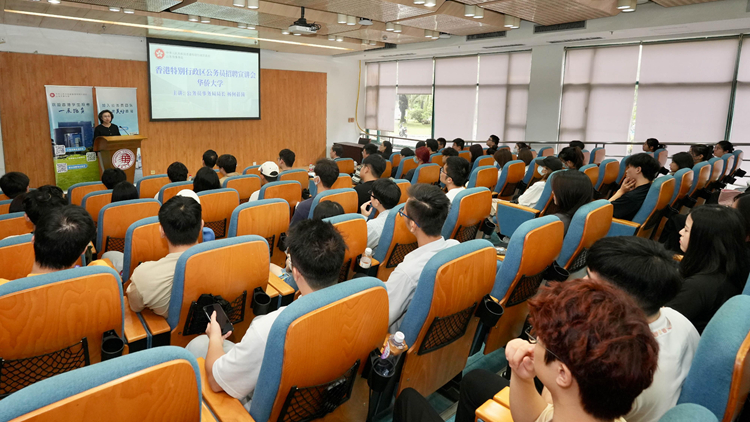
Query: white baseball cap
{"points": [[269, 169], [188, 193]]}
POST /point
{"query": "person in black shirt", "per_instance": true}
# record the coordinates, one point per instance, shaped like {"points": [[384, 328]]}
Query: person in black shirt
{"points": [[106, 128], [639, 173], [492, 143], [372, 168]]}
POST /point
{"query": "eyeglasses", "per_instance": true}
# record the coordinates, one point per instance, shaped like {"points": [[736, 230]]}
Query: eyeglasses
{"points": [[533, 340], [402, 214]]}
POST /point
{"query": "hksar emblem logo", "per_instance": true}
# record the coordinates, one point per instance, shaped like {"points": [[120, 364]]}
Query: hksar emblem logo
{"points": [[52, 94], [159, 53], [123, 159]]}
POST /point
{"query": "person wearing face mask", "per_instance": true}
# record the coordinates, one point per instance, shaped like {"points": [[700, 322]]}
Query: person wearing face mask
{"points": [[531, 196], [424, 212]]}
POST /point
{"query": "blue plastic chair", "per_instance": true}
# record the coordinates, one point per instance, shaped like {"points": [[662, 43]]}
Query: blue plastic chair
{"points": [[469, 209], [421, 168], [318, 198], [592, 159], [510, 216], [183, 185], [688, 412], [72, 189], [621, 174], [590, 223], [101, 243]]}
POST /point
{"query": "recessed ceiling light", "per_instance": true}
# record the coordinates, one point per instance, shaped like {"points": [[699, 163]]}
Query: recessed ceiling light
{"points": [[478, 12], [250, 27], [351, 20], [114, 9], [205, 19], [341, 18], [623, 4], [241, 25], [253, 4], [128, 11], [365, 42], [193, 18], [331, 37], [284, 32], [427, 33], [429, 3], [389, 26], [419, 1], [469, 10], [339, 38], [397, 28], [238, 3], [296, 34]]}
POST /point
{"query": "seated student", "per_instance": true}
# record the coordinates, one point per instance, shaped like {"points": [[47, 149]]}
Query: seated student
{"points": [[326, 174], [385, 195], [286, 159], [651, 145], [386, 149], [441, 143], [316, 251], [111, 177], [448, 152], [716, 262], [425, 213], [432, 145], [476, 152], [640, 171], [369, 150], [502, 157], [177, 172], [570, 191], [700, 153], [520, 146], [458, 144], [492, 143], [327, 209], [269, 172], [578, 144], [572, 157], [420, 144], [548, 166], [651, 276], [723, 148], [41, 201], [337, 151], [525, 155], [14, 183], [16, 205], [151, 283], [591, 348], [206, 179], [681, 160], [372, 168], [423, 156], [60, 238], [209, 158], [454, 175], [741, 203], [124, 191], [227, 166], [405, 152]]}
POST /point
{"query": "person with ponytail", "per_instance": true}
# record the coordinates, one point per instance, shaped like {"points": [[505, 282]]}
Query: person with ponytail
{"points": [[723, 148], [652, 144]]}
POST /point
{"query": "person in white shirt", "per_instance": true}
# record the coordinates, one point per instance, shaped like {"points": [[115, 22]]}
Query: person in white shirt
{"points": [[454, 174], [385, 195], [316, 250], [269, 172], [425, 212], [532, 194]]}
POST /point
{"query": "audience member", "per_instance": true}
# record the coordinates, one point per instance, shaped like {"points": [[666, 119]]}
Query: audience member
{"points": [[425, 213], [124, 191], [741, 203], [700, 153], [369, 150], [441, 143], [317, 252], [181, 223], [715, 265], [652, 144], [532, 194], [422, 156], [572, 157], [454, 175], [458, 144], [492, 143], [326, 174], [177, 172], [520, 146], [570, 190], [386, 149], [227, 166], [372, 168], [652, 278], [111, 177], [722, 148], [432, 145], [448, 152], [16, 205], [384, 195], [502, 157], [681, 160], [269, 172], [405, 152], [337, 151], [420, 144], [526, 156], [40, 202], [209, 158], [476, 152], [578, 144], [640, 171], [14, 183], [206, 179], [286, 159], [327, 209]]}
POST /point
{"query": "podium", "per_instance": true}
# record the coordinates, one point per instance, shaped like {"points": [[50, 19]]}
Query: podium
{"points": [[118, 152]]}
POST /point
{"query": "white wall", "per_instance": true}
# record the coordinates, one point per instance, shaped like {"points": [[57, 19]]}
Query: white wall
{"points": [[341, 74]]}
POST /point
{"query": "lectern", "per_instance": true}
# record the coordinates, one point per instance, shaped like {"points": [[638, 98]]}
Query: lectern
{"points": [[118, 152]]}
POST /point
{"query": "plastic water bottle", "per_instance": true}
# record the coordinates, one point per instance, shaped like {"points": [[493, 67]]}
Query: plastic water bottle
{"points": [[366, 261], [386, 365]]}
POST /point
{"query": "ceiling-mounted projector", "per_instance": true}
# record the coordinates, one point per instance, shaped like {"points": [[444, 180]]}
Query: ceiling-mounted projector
{"points": [[365, 21], [301, 27]]}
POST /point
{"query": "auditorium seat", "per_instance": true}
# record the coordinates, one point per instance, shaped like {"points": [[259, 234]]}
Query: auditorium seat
{"points": [[719, 377], [661, 156], [688, 412], [648, 217], [5, 206], [308, 356], [143, 242], [717, 167], [396, 159], [621, 171], [404, 185], [426, 173], [451, 286], [267, 218], [510, 216], [609, 169], [93, 203], [347, 198], [17, 256], [738, 156], [683, 182], [387, 172], [592, 171], [290, 191], [597, 156], [63, 315], [546, 152], [465, 154], [728, 160], [404, 166], [14, 224], [532, 248], [149, 186], [586, 156], [245, 185], [115, 219], [171, 189], [79, 190], [499, 147], [437, 158], [485, 160], [590, 223], [353, 228], [346, 165], [485, 176], [511, 176], [217, 206], [252, 170], [299, 175], [3, 197], [154, 385], [533, 154], [701, 174], [468, 211], [344, 181], [395, 242]]}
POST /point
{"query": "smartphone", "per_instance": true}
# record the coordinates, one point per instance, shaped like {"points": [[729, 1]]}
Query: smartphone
{"points": [[221, 317]]}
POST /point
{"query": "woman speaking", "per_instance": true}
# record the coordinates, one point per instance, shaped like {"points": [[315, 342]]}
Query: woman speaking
{"points": [[106, 128]]}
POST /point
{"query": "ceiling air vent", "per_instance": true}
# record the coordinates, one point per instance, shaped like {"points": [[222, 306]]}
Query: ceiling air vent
{"points": [[541, 29], [488, 35], [398, 55], [386, 46], [505, 46], [575, 40]]}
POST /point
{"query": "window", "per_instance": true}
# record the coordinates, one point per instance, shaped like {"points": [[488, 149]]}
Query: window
{"points": [[456, 97], [380, 93], [502, 99]]}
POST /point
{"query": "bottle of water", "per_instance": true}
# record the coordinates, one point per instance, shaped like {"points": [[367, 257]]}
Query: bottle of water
{"points": [[366, 261], [386, 365]]}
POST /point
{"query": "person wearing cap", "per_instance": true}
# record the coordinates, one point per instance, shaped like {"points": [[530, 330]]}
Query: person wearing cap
{"points": [[181, 223], [269, 172], [534, 192]]}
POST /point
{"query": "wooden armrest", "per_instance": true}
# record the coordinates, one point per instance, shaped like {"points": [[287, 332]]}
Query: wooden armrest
{"points": [[271, 292], [206, 415], [102, 262], [492, 411], [626, 223], [283, 288], [501, 257], [156, 324], [518, 206], [374, 263], [225, 407], [134, 329], [503, 397]]}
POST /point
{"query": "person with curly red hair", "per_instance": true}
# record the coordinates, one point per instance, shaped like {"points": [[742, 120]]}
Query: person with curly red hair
{"points": [[590, 346]]}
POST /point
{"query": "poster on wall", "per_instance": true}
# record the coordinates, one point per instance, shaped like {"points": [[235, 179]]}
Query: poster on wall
{"points": [[123, 103], [71, 121]]}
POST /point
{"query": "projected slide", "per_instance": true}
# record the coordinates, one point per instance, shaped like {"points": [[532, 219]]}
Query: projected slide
{"points": [[193, 81]]}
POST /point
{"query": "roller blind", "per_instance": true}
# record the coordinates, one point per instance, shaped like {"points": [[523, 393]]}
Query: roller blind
{"points": [[380, 96], [503, 96], [455, 97], [740, 122], [415, 76]]}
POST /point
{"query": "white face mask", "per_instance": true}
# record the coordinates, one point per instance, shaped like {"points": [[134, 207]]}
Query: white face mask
{"points": [[540, 170], [515, 150]]}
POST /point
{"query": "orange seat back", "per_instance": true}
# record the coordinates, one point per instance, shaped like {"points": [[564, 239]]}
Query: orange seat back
{"points": [[593, 174], [299, 175], [149, 187], [396, 160], [404, 185], [252, 170], [94, 203], [116, 218], [514, 173], [170, 191], [3, 197], [353, 228], [487, 177], [409, 164], [143, 243], [466, 155], [468, 210], [665, 195], [395, 242], [346, 165], [217, 206], [347, 199], [290, 192], [429, 174], [344, 181], [17, 256], [388, 169], [437, 159], [485, 160], [77, 192], [267, 218], [245, 186], [5, 206], [14, 224]]}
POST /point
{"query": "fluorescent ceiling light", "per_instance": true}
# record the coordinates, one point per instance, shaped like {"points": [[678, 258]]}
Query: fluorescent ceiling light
{"points": [[469, 10], [632, 6], [341, 18], [284, 32], [623, 4], [54, 1], [427, 33], [331, 37]]}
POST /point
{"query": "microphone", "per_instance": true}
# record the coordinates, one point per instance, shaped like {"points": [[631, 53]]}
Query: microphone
{"points": [[123, 129]]}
